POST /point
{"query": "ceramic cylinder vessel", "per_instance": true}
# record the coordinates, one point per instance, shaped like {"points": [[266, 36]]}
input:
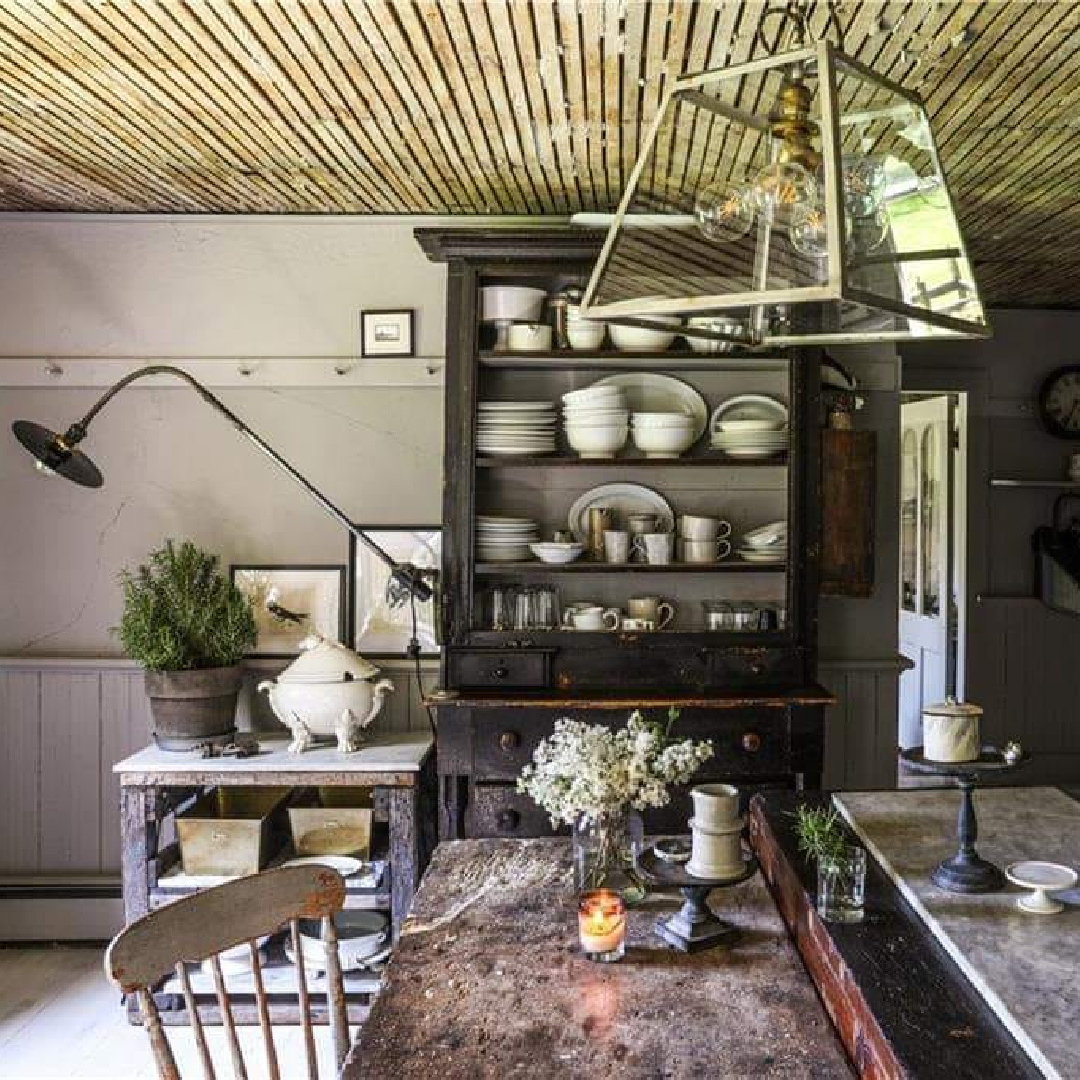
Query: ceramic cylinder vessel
{"points": [[715, 832], [951, 731]]}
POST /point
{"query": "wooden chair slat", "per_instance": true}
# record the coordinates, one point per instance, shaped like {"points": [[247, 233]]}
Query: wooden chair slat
{"points": [[305, 1001], [196, 1022], [237, 1055], [264, 1013], [335, 989], [163, 1056]]}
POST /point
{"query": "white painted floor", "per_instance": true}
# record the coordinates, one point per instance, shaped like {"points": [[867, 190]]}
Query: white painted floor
{"points": [[59, 1017]]}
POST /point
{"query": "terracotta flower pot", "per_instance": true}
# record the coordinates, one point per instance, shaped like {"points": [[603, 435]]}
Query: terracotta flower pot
{"points": [[193, 707]]}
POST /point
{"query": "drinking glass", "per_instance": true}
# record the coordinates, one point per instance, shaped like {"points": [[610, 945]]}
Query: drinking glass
{"points": [[501, 607], [546, 607], [841, 885], [525, 610]]}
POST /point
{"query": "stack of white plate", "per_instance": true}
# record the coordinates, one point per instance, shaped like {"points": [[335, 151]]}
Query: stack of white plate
{"points": [[505, 539], [515, 428], [766, 545], [596, 420], [750, 426]]}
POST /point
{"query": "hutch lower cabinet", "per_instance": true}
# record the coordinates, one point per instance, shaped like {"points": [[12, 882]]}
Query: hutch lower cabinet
{"points": [[736, 649]]}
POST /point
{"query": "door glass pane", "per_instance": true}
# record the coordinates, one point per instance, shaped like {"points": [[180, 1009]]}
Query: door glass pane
{"points": [[931, 524], [909, 525]]}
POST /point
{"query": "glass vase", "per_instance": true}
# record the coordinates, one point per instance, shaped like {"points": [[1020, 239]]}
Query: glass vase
{"points": [[841, 886], [605, 850]]}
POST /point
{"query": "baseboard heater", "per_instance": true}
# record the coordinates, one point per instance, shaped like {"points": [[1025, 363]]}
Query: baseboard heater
{"points": [[46, 909]]}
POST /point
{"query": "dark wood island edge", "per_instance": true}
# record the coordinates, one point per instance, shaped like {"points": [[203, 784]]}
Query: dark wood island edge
{"points": [[899, 1003]]}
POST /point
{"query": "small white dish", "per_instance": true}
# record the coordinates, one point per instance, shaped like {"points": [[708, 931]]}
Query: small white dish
{"points": [[1043, 878], [345, 865], [557, 554], [640, 339]]}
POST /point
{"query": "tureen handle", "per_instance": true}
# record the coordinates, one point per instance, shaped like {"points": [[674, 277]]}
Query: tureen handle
{"points": [[379, 689]]}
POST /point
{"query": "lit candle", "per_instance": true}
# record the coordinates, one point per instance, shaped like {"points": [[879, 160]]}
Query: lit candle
{"points": [[602, 925]]}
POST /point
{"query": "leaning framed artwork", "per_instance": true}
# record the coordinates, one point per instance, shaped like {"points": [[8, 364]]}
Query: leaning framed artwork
{"points": [[387, 333], [292, 603], [378, 627]]}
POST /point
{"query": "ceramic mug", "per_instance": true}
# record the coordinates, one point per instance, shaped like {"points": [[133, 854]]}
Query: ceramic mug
{"points": [[703, 528], [656, 547], [616, 545], [657, 611], [716, 806], [530, 337], [635, 623], [591, 617], [703, 551]]}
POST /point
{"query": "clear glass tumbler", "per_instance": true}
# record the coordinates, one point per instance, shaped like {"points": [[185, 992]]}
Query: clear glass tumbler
{"points": [[841, 886]]}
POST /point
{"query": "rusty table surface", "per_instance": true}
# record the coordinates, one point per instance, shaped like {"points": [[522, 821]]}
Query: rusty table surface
{"points": [[488, 981]]}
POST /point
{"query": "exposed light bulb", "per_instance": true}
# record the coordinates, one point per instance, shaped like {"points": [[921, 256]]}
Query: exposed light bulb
{"points": [[867, 234], [807, 232], [864, 185], [782, 188], [724, 212]]}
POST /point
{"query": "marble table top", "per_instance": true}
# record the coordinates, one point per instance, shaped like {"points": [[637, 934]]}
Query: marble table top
{"points": [[1025, 966], [488, 981]]}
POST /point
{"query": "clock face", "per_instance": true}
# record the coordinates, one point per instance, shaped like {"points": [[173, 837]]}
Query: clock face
{"points": [[1059, 402]]}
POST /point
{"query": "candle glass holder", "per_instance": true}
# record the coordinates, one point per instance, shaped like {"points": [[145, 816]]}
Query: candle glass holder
{"points": [[602, 925]]}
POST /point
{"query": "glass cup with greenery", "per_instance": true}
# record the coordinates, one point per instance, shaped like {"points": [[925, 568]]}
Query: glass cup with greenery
{"points": [[841, 866]]}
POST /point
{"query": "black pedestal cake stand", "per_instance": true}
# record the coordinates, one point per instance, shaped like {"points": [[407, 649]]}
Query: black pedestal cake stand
{"points": [[965, 872], [694, 926]]}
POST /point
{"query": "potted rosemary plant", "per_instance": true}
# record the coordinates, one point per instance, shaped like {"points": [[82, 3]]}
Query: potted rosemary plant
{"points": [[189, 626], [592, 779]]}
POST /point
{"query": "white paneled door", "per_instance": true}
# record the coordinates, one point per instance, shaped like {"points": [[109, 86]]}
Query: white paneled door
{"points": [[927, 604]]}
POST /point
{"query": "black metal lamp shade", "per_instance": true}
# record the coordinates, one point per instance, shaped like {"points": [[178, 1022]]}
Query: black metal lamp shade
{"points": [[58, 453]]}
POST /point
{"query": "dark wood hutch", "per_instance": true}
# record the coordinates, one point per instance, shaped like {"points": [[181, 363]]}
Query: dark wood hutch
{"points": [[754, 694]]}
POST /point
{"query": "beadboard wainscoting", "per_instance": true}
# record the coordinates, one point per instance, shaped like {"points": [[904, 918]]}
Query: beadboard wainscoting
{"points": [[861, 728], [65, 722]]}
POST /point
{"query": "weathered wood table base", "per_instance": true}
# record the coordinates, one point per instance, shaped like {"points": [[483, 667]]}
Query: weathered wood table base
{"points": [[488, 980]]}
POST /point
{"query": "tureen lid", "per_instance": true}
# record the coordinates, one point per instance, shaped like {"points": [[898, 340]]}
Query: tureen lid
{"points": [[951, 707], [327, 661]]}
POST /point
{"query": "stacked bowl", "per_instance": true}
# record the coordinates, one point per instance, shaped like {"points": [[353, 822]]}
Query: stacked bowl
{"points": [[515, 428], [596, 421], [505, 539], [583, 334], [750, 426], [766, 545], [662, 434]]}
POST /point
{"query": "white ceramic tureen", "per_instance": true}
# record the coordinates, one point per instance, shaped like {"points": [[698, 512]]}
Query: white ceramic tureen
{"points": [[327, 692]]}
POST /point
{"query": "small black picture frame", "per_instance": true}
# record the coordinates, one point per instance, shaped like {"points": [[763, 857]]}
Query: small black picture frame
{"points": [[318, 593], [387, 333]]}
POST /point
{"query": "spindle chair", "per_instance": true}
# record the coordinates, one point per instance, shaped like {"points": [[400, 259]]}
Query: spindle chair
{"points": [[201, 926]]}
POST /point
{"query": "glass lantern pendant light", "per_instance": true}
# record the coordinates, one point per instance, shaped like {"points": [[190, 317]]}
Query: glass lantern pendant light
{"points": [[803, 178]]}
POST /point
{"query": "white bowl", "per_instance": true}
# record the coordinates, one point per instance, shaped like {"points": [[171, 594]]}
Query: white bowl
{"points": [[591, 395], [585, 336], [588, 417], [575, 318], [530, 337], [557, 554], [638, 339], [662, 442], [662, 420], [511, 303], [718, 323], [597, 440]]}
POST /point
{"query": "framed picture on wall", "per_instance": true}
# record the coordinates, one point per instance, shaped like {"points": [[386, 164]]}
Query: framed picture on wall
{"points": [[387, 333], [293, 602], [378, 629]]}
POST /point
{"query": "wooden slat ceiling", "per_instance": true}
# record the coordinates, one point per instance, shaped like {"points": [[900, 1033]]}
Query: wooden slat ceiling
{"points": [[502, 107]]}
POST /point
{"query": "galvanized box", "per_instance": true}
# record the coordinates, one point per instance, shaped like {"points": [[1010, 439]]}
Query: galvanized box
{"points": [[228, 831]]}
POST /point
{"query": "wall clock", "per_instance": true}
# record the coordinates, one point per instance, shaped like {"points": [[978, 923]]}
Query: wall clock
{"points": [[1059, 402]]}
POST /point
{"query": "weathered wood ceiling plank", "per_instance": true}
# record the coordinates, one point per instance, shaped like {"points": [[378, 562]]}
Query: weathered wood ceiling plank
{"points": [[510, 107]]}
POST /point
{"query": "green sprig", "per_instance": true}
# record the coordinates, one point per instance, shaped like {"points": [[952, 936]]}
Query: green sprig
{"points": [[820, 833]]}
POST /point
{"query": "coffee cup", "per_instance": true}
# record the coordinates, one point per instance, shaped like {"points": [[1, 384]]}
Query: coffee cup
{"points": [[703, 551], [657, 611], [656, 547], [703, 528], [616, 545]]}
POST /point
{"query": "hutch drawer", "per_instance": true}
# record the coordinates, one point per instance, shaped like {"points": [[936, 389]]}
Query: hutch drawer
{"points": [[499, 668], [500, 810], [755, 667]]}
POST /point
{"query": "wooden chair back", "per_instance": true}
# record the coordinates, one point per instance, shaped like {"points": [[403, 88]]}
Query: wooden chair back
{"points": [[201, 926]]}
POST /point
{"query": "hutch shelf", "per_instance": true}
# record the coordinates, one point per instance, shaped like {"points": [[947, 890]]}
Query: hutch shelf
{"points": [[754, 694]]}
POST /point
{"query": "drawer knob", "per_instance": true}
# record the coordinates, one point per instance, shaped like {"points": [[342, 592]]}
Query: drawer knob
{"points": [[508, 820], [509, 740], [751, 742], [500, 672], [757, 668]]}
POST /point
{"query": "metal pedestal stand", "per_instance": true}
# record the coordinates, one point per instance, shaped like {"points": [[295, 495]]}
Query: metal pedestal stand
{"points": [[694, 926], [966, 871]]}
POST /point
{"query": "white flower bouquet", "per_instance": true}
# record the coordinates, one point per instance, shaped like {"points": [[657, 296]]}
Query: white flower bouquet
{"points": [[585, 771]]}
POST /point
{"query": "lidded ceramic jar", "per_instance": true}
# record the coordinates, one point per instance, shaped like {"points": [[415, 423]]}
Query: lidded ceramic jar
{"points": [[951, 731]]}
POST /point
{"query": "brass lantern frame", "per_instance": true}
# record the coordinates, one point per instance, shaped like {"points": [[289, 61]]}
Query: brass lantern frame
{"points": [[837, 286]]}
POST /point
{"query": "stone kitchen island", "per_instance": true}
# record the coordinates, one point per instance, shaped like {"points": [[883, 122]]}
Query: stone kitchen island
{"points": [[488, 980]]}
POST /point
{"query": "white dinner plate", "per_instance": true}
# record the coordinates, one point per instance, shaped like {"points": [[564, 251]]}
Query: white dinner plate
{"points": [[516, 406], [647, 392], [624, 499]]}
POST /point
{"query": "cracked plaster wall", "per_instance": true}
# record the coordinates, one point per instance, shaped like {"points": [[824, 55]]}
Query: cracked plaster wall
{"points": [[186, 288]]}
